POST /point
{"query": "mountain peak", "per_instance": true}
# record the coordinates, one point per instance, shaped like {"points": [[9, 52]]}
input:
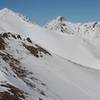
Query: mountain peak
{"points": [[60, 18], [6, 10]]}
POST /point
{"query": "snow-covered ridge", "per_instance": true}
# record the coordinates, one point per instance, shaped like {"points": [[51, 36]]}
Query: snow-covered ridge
{"points": [[87, 30]]}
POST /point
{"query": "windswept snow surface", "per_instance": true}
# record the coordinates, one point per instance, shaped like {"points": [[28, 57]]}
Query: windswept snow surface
{"points": [[70, 72]]}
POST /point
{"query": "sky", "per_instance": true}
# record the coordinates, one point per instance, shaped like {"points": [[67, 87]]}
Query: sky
{"points": [[42, 11]]}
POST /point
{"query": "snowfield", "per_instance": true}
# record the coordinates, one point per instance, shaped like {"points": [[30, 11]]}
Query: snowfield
{"points": [[55, 62]]}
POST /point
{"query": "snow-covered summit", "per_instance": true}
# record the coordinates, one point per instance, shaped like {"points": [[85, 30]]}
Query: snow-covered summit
{"points": [[60, 18], [60, 24], [6, 12]]}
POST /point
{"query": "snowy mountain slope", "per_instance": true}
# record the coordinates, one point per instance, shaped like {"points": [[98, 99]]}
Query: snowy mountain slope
{"points": [[36, 77], [66, 69], [67, 46], [14, 22], [41, 36], [83, 36], [18, 78], [10, 21]]}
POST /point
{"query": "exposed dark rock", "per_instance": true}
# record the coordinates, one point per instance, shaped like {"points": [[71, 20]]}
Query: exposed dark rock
{"points": [[13, 36], [36, 50], [2, 43], [42, 93], [13, 93], [95, 24], [29, 40], [5, 35], [40, 98], [19, 37], [61, 18]]}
